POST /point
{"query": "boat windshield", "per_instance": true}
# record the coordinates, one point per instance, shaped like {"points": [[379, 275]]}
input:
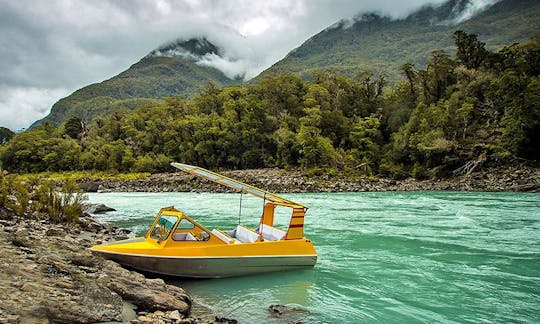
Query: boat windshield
{"points": [[163, 227]]}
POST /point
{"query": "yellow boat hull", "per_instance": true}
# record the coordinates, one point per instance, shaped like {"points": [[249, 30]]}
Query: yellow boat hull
{"points": [[210, 261], [177, 245]]}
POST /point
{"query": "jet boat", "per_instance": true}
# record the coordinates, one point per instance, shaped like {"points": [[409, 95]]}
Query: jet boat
{"points": [[177, 245]]}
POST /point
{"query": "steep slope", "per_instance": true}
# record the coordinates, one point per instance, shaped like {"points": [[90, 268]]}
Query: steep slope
{"points": [[167, 71], [376, 43]]}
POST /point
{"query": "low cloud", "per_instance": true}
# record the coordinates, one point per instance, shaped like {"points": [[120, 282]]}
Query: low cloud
{"points": [[472, 8], [232, 68], [22, 106]]}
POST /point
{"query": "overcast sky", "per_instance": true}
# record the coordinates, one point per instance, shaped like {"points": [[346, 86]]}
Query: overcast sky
{"points": [[50, 48]]}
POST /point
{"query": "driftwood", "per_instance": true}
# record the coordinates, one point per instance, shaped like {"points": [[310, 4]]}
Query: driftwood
{"points": [[470, 166]]}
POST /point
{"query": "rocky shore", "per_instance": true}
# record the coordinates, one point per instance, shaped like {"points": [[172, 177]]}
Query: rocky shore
{"points": [[515, 177], [49, 276]]}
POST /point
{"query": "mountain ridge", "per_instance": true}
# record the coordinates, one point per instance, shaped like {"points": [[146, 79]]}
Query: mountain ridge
{"points": [[358, 47], [159, 74], [368, 42]]}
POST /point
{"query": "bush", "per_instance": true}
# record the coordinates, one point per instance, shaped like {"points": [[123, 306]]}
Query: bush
{"points": [[40, 197]]}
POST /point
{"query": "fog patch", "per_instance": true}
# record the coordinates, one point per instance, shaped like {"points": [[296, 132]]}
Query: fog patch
{"points": [[473, 8], [233, 69], [20, 106]]}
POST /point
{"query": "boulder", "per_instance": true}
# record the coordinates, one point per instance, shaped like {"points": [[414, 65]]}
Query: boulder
{"points": [[288, 314], [98, 209], [89, 186], [20, 238], [54, 278], [89, 224], [148, 294]]}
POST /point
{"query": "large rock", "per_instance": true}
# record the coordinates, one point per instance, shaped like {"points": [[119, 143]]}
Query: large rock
{"points": [[149, 294], [47, 277], [98, 209]]}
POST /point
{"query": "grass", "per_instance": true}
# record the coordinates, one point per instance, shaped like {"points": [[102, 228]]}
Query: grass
{"points": [[94, 175]]}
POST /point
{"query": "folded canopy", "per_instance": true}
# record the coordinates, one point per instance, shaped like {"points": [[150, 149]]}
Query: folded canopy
{"points": [[231, 183]]}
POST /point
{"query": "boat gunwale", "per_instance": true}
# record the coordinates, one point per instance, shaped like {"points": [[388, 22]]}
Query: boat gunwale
{"points": [[206, 256]]}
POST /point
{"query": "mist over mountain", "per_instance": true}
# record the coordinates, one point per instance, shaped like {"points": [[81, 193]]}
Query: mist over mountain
{"points": [[176, 69], [365, 42], [373, 42]]}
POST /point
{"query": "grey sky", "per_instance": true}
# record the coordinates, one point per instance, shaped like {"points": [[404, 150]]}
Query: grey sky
{"points": [[48, 49]]}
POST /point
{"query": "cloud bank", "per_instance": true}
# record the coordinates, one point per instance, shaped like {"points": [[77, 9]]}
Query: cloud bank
{"points": [[49, 49]]}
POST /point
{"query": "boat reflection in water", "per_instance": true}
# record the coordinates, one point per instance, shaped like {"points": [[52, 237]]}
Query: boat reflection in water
{"points": [[177, 245]]}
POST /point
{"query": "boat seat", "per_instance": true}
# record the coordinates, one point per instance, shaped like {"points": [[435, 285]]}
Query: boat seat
{"points": [[223, 237], [271, 233], [245, 235], [184, 237]]}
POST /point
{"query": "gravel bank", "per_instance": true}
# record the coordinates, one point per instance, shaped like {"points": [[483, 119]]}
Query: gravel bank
{"points": [[518, 177]]}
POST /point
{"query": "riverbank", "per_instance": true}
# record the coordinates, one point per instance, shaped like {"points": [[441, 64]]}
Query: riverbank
{"points": [[49, 275], [522, 177]]}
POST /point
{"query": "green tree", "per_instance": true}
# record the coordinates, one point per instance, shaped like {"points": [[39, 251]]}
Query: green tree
{"points": [[74, 127], [470, 51], [5, 135]]}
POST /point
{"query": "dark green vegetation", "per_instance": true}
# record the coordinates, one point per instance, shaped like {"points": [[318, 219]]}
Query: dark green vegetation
{"points": [[39, 198], [452, 115], [373, 43], [146, 81], [5, 134], [377, 43]]}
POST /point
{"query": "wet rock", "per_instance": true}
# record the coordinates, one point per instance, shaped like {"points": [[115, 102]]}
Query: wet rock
{"points": [[287, 313], [225, 320], [21, 238], [87, 223], [149, 294], [54, 278], [175, 315], [98, 209]]}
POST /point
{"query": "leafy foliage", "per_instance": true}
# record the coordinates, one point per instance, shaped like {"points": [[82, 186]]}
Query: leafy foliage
{"points": [[39, 197], [432, 122], [5, 135]]}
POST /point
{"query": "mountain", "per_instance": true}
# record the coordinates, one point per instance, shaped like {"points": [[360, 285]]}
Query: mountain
{"points": [[371, 42], [367, 42], [5, 134], [170, 70]]}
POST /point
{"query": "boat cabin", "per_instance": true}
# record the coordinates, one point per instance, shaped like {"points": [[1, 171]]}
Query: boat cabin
{"points": [[172, 225]]}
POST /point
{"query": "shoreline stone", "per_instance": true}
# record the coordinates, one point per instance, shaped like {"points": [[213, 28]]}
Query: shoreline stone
{"points": [[514, 177], [49, 275], [97, 209]]}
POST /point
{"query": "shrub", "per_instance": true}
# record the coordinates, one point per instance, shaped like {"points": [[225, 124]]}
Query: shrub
{"points": [[39, 197]]}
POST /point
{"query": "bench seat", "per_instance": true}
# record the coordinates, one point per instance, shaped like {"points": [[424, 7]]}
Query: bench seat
{"points": [[271, 233]]}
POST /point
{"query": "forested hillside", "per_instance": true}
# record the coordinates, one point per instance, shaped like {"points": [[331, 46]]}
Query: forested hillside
{"points": [[167, 71], [377, 43], [453, 115], [371, 43]]}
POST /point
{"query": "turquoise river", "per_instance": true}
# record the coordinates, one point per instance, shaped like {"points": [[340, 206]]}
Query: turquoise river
{"points": [[393, 257]]}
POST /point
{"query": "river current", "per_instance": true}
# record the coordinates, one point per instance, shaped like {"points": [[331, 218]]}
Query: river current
{"points": [[382, 257]]}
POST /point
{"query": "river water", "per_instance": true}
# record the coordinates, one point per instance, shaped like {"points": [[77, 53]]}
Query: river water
{"points": [[382, 257]]}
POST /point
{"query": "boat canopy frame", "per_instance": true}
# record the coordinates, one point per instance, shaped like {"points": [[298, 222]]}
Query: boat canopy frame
{"points": [[271, 200]]}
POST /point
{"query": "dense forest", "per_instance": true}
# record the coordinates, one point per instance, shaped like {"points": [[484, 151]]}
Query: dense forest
{"points": [[448, 116]]}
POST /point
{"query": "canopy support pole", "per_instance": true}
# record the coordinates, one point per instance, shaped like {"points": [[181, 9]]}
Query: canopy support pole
{"points": [[240, 209]]}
